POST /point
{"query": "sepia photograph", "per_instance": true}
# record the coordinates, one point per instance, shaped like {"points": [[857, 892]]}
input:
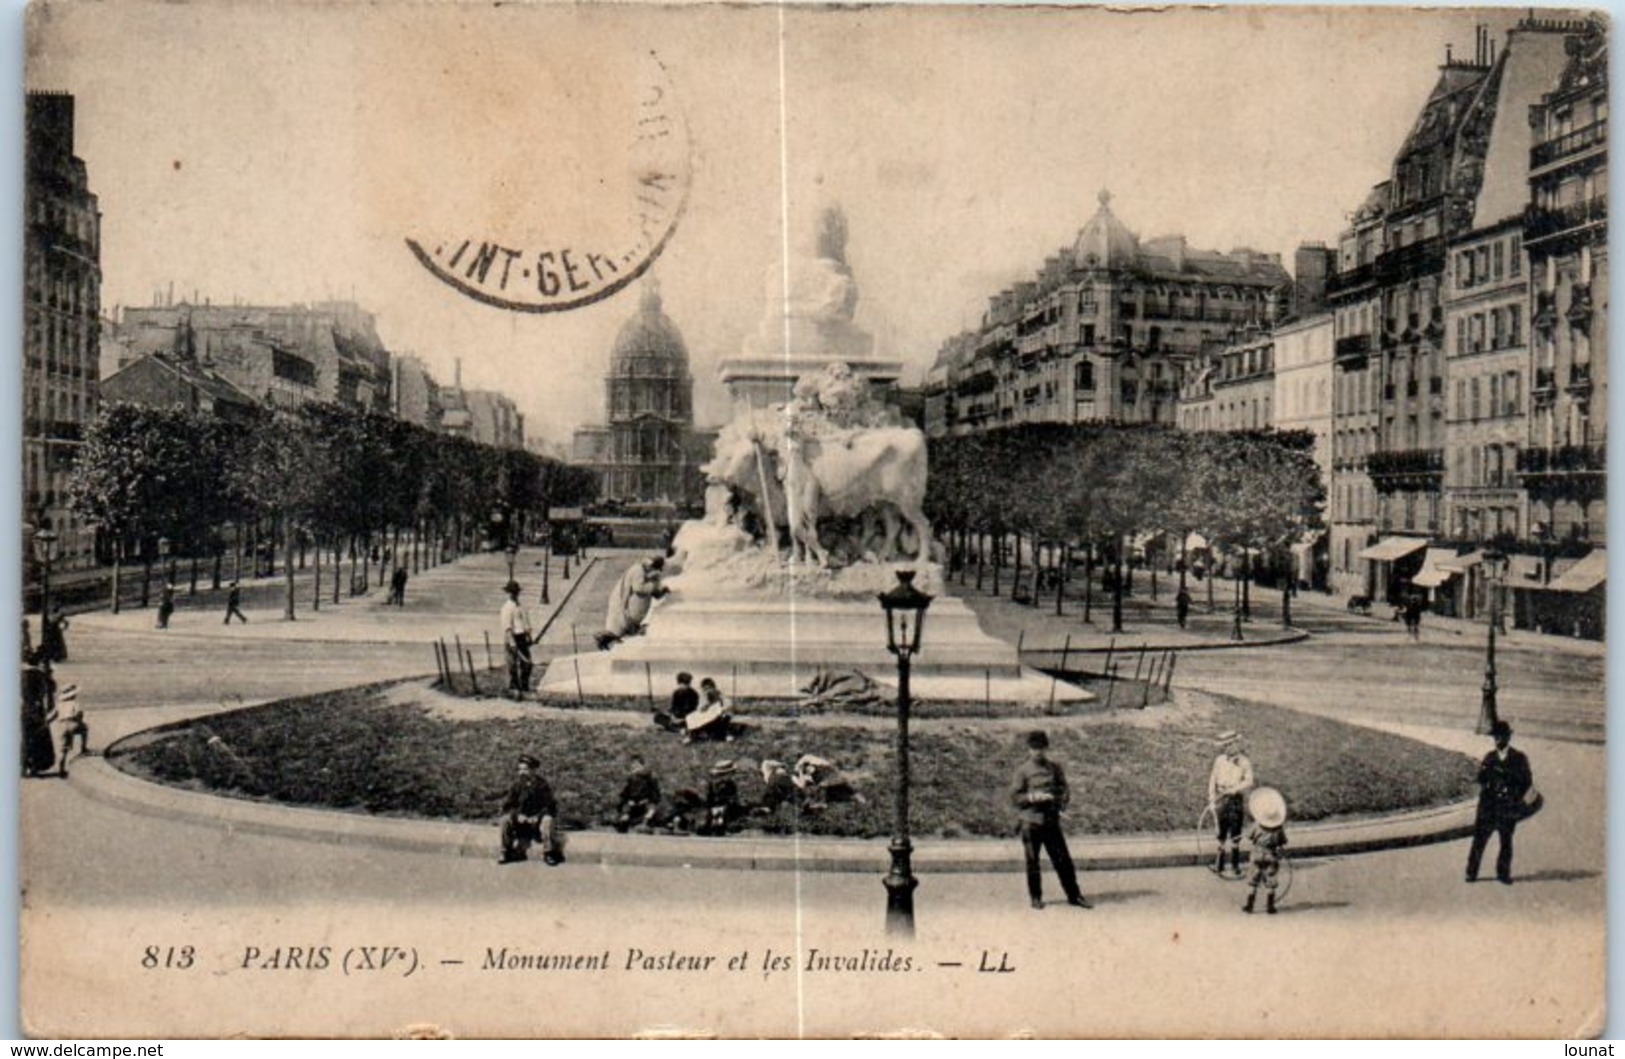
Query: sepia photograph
{"points": [[586, 520]]}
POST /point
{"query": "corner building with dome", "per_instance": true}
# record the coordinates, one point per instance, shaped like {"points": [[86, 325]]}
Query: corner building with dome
{"points": [[644, 453], [1106, 330]]}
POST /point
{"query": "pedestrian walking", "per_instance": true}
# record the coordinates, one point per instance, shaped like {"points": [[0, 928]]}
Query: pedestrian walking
{"points": [[1268, 839], [397, 587], [1415, 603], [234, 604], [530, 814], [1182, 607], [1039, 793], [67, 725], [516, 639], [53, 636], [1505, 786], [166, 604], [1228, 784]]}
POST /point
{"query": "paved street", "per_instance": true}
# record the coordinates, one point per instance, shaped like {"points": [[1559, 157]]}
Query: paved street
{"points": [[1166, 951]]}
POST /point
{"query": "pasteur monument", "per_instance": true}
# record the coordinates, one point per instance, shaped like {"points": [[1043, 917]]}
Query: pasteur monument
{"points": [[814, 501]]}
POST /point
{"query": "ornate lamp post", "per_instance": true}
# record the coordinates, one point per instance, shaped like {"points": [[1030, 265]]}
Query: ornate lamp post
{"points": [[45, 554], [905, 608], [1495, 567], [513, 554]]}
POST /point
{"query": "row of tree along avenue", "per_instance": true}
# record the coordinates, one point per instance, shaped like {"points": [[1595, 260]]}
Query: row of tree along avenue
{"points": [[1096, 492], [165, 484]]}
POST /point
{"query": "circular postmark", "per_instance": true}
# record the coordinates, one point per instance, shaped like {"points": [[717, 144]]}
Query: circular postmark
{"points": [[603, 229]]}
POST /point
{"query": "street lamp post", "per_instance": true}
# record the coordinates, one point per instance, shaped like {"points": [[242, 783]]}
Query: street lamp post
{"points": [[1494, 566], [163, 560], [513, 554], [547, 567], [905, 608], [44, 554]]}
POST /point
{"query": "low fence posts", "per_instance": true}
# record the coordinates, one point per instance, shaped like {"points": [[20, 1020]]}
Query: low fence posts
{"points": [[473, 679]]}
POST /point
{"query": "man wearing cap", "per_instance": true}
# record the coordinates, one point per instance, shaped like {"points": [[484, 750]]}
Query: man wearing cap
{"points": [[1227, 786], [516, 641], [68, 724], [1504, 778], [530, 810], [1039, 793]]}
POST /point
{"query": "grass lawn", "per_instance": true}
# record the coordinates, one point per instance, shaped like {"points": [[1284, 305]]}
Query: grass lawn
{"points": [[403, 751]]}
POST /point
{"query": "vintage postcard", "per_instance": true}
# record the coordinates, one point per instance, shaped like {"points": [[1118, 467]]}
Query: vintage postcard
{"points": [[559, 520]]}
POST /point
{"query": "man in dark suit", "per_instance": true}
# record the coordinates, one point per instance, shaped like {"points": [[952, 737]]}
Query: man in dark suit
{"points": [[1503, 781], [1039, 792], [530, 812]]}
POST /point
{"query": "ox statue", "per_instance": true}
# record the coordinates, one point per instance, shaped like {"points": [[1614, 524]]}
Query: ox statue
{"points": [[792, 471]]}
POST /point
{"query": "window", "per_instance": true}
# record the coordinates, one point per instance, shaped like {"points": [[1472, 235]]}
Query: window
{"points": [[1495, 395], [1473, 407], [1515, 324], [1083, 376], [1088, 334], [1515, 256], [1513, 398], [1499, 265]]}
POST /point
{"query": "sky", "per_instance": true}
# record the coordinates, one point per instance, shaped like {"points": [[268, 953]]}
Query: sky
{"points": [[285, 153]]}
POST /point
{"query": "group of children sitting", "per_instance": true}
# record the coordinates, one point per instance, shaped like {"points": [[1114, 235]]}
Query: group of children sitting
{"points": [[810, 787]]}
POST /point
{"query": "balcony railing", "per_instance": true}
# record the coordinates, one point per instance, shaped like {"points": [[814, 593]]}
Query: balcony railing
{"points": [[1564, 459], [1405, 462], [1357, 276], [1352, 347], [1540, 223], [1593, 135], [1418, 259]]}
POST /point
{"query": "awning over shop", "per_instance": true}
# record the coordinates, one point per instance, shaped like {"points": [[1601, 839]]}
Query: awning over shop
{"points": [[1433, 572], [1195, 542], [1462, 563], [1390, 548], [1583, 576], [1525, 568]]}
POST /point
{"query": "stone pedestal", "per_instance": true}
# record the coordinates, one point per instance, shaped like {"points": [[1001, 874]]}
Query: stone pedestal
{"points": [[772, 648]]}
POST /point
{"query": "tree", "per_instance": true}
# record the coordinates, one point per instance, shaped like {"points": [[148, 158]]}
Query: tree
{"points": [[144, 473], [274, 464]]}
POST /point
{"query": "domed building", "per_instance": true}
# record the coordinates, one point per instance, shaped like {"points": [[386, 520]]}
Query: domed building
{"points": [[642, 453]]}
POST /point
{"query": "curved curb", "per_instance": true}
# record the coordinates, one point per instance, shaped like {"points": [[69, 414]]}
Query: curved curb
{"points": [[1295, 636], [99, 779]]}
